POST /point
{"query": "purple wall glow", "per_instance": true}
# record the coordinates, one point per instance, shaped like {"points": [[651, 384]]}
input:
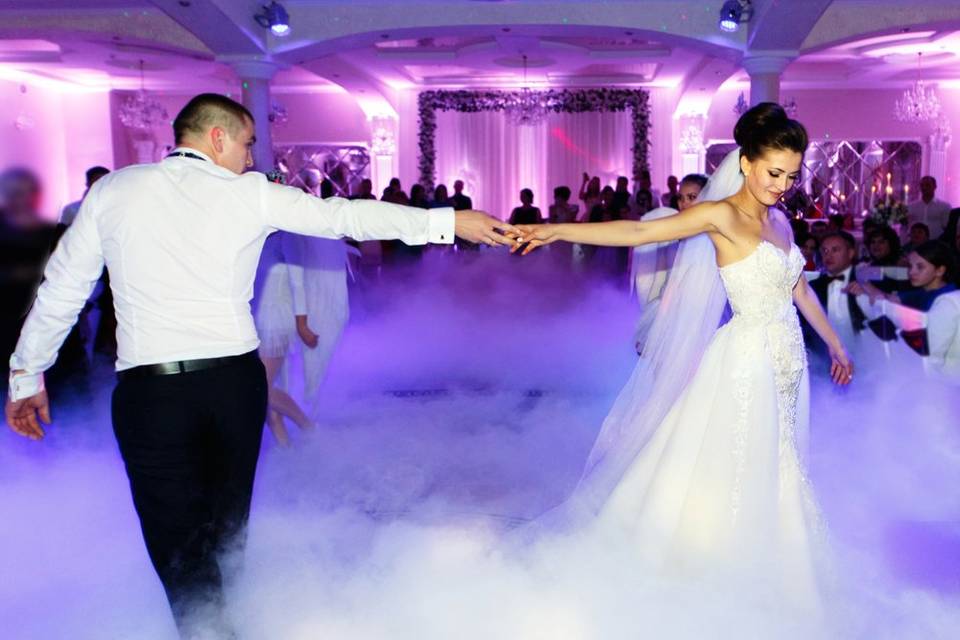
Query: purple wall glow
{"points": [[57, 134]]}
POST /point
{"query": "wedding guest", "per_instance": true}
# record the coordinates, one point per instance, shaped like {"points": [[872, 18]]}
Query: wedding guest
{"points": [[928, 209], [326, 188], [809, 248], [932, 272], [838, 251], [837, 222], [943, 336], [394, 193], [672, 197], [459, 200], [604, 211], [561, 211], [799, 226], [589, 193], [26, 242], [621, 197], [819, 229], [69, 212], [366, 191], [883, 247], [644, 196], [418, 197], [526, 213], [919, 234], [440, 197], [689, 190]]}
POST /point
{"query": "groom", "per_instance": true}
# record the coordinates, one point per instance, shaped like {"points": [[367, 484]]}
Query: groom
{"points": [[181, 239]]}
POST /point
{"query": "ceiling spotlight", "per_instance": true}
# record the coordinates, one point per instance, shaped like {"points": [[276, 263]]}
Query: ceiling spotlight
{"points": [[275, 18], [734, 13]]}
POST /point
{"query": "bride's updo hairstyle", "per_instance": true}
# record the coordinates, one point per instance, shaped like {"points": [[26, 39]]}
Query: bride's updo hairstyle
{"points": [[767, 126]]}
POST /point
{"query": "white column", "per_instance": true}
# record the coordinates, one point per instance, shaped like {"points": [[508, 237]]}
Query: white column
{"points": [[940, 141], [255, 75], [765, 72]]}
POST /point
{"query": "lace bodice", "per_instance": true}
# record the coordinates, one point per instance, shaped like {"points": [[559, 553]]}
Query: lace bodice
{"points": [[760, 286]]}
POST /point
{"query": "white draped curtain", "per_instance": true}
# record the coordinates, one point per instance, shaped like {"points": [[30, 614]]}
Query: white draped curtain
{"points": [[496, 159]]}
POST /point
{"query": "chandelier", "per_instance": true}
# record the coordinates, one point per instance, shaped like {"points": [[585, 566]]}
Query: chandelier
{"points": [[527, 107], [139, 111], [918, 103]]}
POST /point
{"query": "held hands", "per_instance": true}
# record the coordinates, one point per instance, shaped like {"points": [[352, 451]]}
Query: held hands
{"points": [[22, 415], [307, 336], [531, 236], [477, 226], [841, 367]]}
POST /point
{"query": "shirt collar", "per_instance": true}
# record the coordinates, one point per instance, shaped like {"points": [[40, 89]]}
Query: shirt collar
{"points": [[845, 274], [193, 151]]}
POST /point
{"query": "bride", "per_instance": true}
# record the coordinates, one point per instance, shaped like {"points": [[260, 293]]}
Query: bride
{"points": [[700, 462]]}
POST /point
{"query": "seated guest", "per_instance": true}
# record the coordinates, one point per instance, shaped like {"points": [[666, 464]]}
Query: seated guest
{"points": [[927, 209], [838, 222], [561, 211], [689, 190], [883, 247], [70, 211], [440, 197], [943, 336], [919, 233], [799, 226], [809, 247], [837, 252], [932, 271], [526, 213]]}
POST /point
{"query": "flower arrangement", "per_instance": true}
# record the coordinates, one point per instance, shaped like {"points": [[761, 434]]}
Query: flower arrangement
{"points": [[555, 100], [889, 212]]}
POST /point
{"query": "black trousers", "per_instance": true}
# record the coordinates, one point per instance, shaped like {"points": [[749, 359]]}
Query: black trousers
{"points": [[190, 444]]}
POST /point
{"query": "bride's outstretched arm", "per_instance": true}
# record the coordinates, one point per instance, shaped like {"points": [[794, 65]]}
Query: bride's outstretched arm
{"points": [[841, 367], [702, 218]]}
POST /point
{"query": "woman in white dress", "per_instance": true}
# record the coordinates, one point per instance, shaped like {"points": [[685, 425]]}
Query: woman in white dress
{"points": [[280, 314], [700, 460]]}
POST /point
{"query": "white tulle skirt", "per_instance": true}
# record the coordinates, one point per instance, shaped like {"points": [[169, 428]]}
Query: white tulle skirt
{"points": [[273, 313]]}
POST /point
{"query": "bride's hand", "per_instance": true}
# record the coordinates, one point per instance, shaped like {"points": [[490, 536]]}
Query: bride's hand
{"points": [[841, 367], [532, 236]]}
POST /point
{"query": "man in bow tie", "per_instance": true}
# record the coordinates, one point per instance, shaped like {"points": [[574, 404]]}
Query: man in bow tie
{"points": [[837, 251]]}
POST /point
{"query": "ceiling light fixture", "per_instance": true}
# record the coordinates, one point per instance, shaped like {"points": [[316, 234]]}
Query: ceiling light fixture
{"points": [[275, 18], [919, 103], [733, 13], [140, 111]]}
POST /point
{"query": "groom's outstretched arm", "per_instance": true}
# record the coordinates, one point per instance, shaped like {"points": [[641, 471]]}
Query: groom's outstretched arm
{"points": [[290, 209]]}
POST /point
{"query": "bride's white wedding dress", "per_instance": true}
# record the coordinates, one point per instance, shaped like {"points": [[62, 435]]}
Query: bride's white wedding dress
{"points": [[720, 485]]}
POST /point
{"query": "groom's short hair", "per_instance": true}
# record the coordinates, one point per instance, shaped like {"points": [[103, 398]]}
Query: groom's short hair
{"points": [[207, 110]]}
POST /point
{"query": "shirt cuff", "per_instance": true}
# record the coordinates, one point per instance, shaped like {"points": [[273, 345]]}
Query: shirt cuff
{"points": [[24, 385], [442, 225]]}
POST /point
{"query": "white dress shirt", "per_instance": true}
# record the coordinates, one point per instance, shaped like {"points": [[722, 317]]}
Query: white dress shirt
{"points": [[935, 214], [838, 307], [181, 239], [943, 335]]}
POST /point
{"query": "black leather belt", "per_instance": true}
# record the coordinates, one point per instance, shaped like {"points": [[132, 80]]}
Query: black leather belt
{"points": [[183, 366]]}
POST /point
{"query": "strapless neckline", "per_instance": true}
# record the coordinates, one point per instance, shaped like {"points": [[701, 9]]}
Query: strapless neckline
{"points": [[785, 254]]}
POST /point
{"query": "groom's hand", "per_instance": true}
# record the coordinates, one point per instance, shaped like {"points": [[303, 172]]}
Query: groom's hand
{"points": [[476, 226], [22, 415]]}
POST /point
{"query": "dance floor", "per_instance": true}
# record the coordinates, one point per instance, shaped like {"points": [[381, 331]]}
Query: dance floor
{"points": [[464, 398]]}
